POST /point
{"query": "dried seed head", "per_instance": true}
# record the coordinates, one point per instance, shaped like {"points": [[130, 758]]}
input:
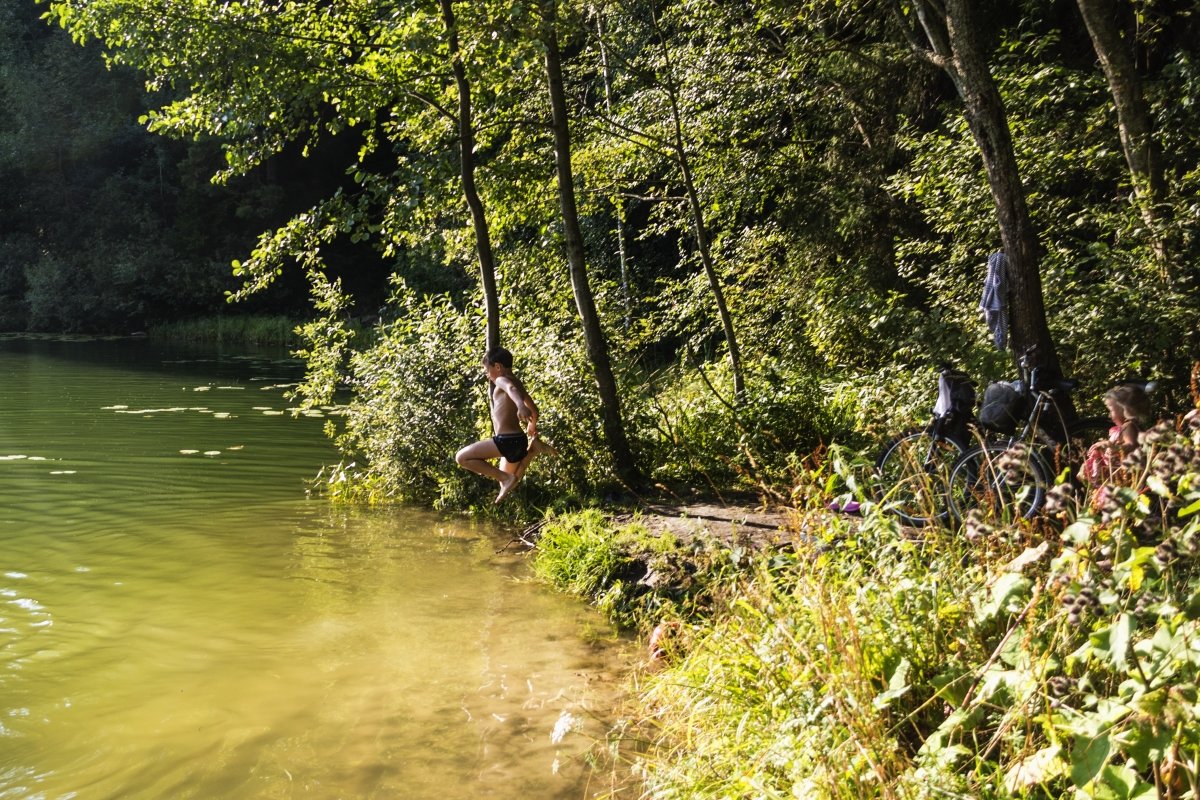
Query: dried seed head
{"points": [[1160, 433], [1111, 507], [1166, 552], [1059, 498], [975, 527], [1134, 459]]}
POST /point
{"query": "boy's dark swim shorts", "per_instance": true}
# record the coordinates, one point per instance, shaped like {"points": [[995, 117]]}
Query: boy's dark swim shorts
{"points": [[513, 446]]}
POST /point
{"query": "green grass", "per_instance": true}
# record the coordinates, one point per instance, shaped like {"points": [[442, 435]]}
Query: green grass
{"points": [[814, 678], [637, 578]]}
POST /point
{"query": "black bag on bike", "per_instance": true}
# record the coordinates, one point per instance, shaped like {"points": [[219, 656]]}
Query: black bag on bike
{"points": [[1003, 407], [955, 403]]}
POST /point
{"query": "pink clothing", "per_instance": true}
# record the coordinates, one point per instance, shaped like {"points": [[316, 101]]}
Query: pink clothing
{"points": [[1099, 468]]}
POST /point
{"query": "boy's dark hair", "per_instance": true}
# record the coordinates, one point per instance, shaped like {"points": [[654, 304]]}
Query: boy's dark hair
{"points": [[498, 355]]}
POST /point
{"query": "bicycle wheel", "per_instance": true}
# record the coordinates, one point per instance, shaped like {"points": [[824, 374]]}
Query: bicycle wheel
{"points": [[1007, 483], [913, 472]]}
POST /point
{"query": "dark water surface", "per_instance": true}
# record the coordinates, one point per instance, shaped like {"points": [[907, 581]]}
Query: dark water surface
{"points": [[179, 619]]}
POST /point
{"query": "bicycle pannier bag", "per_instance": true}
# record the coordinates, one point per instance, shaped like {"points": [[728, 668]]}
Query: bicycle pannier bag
{"points": [[962, 397], [956, 403], [1002, 408], [956, 393]]}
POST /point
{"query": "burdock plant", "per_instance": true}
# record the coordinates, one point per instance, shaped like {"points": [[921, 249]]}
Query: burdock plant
{"points": [[1052, 658]]}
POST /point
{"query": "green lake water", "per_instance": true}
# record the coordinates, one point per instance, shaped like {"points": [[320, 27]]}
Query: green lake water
{"points": [[180, 618]]}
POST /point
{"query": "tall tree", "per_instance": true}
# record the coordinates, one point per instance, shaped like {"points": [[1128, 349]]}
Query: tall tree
{"points": [[466, 158], [659, 120], [670, 85], [952, 42], [597, 346], [1114, 49]]}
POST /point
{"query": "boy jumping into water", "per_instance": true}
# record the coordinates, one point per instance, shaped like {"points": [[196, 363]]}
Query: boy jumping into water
{"points": [[510, 406]]}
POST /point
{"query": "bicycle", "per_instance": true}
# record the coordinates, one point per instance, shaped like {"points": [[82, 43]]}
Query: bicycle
{"points": [[913, 468], [1011, 476]]}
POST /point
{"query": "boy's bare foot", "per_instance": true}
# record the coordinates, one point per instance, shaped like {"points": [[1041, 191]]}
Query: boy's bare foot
{"points": [[537, 447], [507, 484]]}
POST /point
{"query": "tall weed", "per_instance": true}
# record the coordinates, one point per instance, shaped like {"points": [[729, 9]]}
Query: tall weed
{"points": [[1053, 659]]}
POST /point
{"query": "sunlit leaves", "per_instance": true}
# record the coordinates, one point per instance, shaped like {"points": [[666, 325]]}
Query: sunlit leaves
{"points": [[415, 388]]}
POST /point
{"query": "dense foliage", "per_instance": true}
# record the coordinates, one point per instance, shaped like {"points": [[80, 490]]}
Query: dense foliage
{"points": [[784, 211]]}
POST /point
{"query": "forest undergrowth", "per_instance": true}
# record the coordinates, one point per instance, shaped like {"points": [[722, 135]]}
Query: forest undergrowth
{"points": [[1051, 658]]}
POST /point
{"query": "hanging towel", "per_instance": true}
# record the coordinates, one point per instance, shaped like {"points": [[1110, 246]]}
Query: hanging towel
{"points": [[992, 304]]}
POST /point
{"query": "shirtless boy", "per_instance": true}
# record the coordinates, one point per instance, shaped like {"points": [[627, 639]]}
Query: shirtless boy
{"points": [[510, 405]]}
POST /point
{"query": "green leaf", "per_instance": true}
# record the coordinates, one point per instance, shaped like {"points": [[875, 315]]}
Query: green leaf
{"points": [[1190, 509], [897, 685], [1009, 593], [960, 719], [1031, 556], [1042, 766], [1112, 643], [1122, 635], [1152, 703], [1122, 783], [952, 685], [1145, 743], [1088, 757], [1078, 533], [1158, 486]]}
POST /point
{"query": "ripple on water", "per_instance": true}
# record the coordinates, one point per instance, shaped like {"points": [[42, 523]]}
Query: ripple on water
{"points": [[216, 634]]}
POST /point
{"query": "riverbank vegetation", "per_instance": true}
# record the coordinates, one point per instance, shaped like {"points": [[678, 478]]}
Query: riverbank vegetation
{"points": [[235, 330], [1048, 659], [715, 235]]}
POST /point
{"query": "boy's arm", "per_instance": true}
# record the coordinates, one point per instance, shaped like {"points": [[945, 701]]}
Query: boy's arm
{"points": [[531, 428]]}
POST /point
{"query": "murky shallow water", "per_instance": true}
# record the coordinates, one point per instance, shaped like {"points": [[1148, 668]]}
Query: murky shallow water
{"points": [[175, 624]]}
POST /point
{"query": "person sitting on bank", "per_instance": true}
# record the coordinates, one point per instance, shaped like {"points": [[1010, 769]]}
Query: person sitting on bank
{"points": [[510, 406], [1129, 407]]}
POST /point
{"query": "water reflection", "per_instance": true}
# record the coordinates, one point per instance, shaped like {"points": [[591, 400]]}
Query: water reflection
{"points": [[177, 625]]}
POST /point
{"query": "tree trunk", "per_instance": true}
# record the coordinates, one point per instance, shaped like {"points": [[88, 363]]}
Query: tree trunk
{"points": [[699, 227], [466, 140], [593, 333], [954, 45], [710, 271], [1133, 115]]}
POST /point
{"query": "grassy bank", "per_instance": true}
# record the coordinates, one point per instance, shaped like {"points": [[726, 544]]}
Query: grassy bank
{"points": [[1052, 659], [261, 331]]}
